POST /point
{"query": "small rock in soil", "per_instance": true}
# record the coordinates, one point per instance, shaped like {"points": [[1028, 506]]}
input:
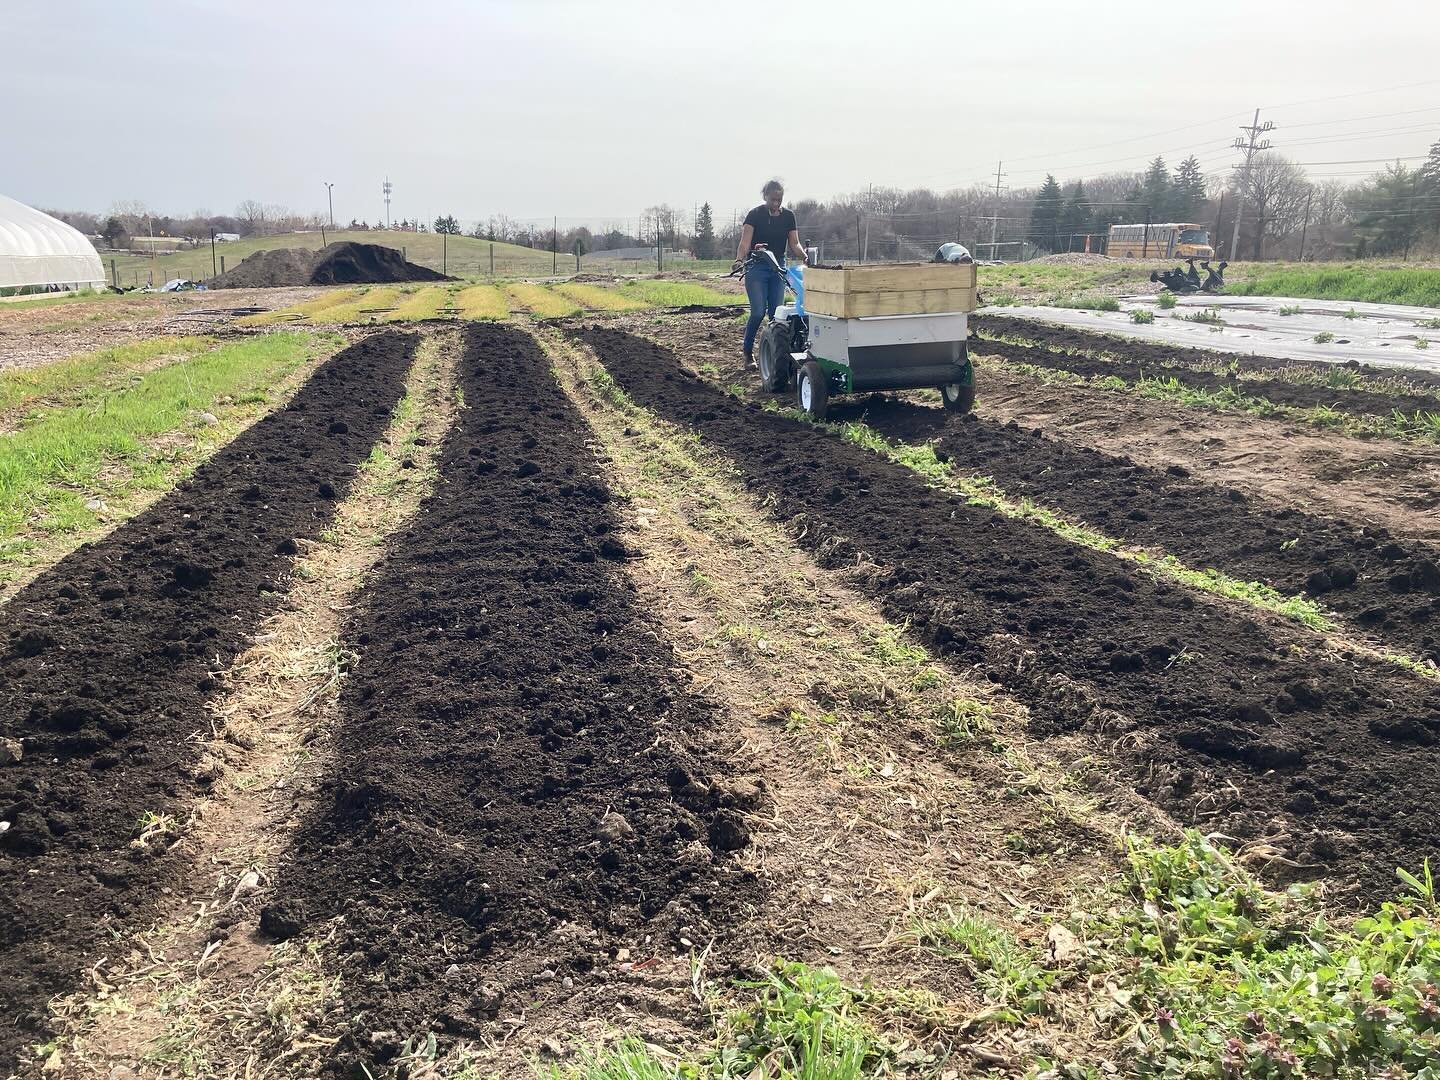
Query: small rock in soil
{"points": [[613, 828], [11, 751]]}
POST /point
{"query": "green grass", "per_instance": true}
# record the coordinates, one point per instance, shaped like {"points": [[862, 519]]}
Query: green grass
{"points": [[55, 300], [1369, 284], [677, 294], [1142, 315], [88, 374], [1205, 315], [310, 309], [1086, 302], [483, 302], [599, 298], [422, 304], [51, 467], [1166, 300], [366, 306], [541, 302]]}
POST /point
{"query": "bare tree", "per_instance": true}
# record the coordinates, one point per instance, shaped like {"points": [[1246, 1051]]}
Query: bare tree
{"points": [[254, 217], [1275, 190]]}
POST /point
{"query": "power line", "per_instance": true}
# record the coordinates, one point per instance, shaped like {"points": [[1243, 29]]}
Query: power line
{"points": [[1250, 148]]}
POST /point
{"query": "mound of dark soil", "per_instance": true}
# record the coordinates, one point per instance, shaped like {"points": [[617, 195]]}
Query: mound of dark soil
{"points": [[519, 772], [337, 264], [108, 659], [1229, 723]]}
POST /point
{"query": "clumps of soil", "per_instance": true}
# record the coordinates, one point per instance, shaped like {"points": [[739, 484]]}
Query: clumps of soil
{"points": [[108, 659], [519, 772], [345, 263], [1385, 585], [1227, 722]]}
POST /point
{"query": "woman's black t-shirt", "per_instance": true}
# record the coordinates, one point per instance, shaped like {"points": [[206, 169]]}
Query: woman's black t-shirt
{"points": [[772, 231]]}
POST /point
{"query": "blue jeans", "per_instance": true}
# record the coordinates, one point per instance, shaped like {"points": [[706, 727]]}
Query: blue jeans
{"points": [[766, 289]]}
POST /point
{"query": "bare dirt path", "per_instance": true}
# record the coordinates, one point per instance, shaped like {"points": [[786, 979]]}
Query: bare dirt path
{"points": [[38, 335]]}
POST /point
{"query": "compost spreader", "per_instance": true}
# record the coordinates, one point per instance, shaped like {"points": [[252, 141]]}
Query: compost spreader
{"points": [[854, 329]]}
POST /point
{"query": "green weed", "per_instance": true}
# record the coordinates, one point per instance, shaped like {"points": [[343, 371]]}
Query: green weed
{"points": [[1290, 309], [1165, 301], [1205, 315], [1142, 315], [1323, 337], [1089, 303]]}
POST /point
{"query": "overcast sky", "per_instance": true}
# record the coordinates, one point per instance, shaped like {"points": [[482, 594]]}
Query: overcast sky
{"points": [[596, 110]]}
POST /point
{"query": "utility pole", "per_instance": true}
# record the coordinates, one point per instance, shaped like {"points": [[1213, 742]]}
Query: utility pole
{"points": [[330, 194], [554, 250], [1249, 147], [1145, 238], [1305, 226], [995, 210], [1219, 213], [213, 271]]}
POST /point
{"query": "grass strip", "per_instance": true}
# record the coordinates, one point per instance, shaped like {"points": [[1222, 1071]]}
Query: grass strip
{"points": [[1367, 284], [678, 294], [88, 374], [422, 304], [483, 302], [369, 305], [541, 302], [599, 298], [57, 473], [309, 309]]}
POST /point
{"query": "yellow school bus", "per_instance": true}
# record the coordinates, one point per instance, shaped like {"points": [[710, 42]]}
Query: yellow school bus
{"points": [[1167, 240]]}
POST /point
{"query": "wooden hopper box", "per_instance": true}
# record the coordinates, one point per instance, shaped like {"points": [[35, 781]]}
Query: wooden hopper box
{"points": [[854, 292]]}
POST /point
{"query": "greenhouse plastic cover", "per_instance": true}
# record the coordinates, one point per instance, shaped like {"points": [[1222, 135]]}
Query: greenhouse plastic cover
{"points": [[37, 249]]}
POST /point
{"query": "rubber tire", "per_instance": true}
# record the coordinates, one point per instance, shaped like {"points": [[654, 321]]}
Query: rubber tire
{"points": [[772, 356], [812, 377], [964, 396]]}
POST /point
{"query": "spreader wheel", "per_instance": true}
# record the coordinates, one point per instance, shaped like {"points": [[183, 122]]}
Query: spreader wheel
{"points": [[773, 357], [958, 397], [812, 390]]}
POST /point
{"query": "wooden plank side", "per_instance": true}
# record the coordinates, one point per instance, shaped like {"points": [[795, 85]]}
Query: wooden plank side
{"points": [[855, 305], [908, 277]]}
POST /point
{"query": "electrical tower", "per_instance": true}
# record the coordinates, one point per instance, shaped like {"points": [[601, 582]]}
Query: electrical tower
{"points": [[1249, 147], [995, 215], [387, 187]]}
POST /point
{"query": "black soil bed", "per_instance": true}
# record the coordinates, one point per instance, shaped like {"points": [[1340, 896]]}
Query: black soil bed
{"points": [[1332, 758], [1383, 586], [1202, 369], [108, 659], [523, 784]]}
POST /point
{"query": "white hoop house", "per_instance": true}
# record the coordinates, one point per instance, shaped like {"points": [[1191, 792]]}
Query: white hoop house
{"points": [[40, 253]]}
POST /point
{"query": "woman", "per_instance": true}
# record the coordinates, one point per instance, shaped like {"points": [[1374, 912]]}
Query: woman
{"points": [[771, 228]]}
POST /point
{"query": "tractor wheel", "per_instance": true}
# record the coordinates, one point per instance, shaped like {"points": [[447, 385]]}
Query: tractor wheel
{"points": [[958, 397], [812, 390], [773, 357]]}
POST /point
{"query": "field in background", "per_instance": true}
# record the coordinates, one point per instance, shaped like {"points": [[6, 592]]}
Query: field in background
{"points": [[459, 256]]}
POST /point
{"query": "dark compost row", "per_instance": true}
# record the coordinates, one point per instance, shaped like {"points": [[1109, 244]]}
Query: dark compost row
{"points": [[1240, 725], [522, 783], [107, 661]]}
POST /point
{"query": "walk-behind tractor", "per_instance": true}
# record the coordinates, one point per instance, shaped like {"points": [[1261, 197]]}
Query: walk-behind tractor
{"points": [[855, 329]]}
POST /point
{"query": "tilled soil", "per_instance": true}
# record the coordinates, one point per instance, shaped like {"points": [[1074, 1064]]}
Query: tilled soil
{"points": [[1132, 360], [108, 659], [522, 783], [1382, 585], [1247, 727]]}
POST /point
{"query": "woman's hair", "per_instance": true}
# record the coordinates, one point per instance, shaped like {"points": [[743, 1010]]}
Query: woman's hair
{"points": [[772, 186]]}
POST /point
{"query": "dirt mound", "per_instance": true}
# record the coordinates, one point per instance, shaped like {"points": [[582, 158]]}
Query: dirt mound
{"points": [[106, 666], [1318, 753], [519, 771], [337, 264]]}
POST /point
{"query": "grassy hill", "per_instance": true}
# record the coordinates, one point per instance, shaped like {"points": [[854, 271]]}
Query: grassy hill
{"points": [[461, 256]]}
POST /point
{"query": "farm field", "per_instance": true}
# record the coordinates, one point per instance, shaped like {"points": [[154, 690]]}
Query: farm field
{"points": [[459, 256], [490, 680]]}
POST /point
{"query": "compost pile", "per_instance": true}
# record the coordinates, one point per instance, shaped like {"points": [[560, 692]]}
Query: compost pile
{"points": [[336, 264]]}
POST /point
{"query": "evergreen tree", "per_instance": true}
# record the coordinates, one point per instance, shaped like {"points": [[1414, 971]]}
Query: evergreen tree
{"points": [[1156, 192], [1188, 190], [447, 224], [1045, 217], [1074, 217], [1385, 218], [704, 242], [1430, 185]]}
